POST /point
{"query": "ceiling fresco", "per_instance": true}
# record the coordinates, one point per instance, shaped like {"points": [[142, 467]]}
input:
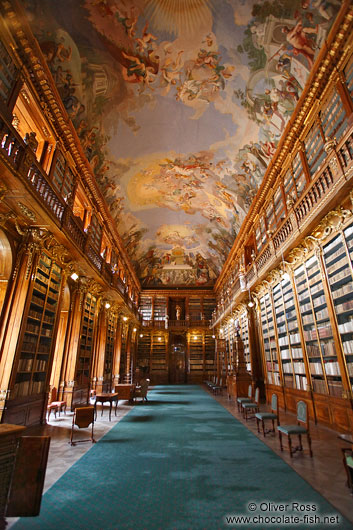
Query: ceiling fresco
{"points": [[179, 106]]}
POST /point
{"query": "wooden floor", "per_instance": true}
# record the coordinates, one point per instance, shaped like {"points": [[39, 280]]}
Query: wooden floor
{"points": [[324, 471]]}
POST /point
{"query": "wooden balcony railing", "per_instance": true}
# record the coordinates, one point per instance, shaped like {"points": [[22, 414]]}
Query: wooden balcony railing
{"points": [[331, 177], [23, 160], [176, 324], [73, 229]]}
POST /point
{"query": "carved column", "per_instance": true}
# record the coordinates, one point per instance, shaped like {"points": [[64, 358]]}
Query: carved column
{"points": [[72, 341], [63, 315], [254, 347], [128, 353], [117, 352], [12, 314], [97, 373]]}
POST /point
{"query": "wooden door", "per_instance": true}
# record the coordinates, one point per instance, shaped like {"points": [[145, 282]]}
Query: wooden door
{"points": [[177, 360]]}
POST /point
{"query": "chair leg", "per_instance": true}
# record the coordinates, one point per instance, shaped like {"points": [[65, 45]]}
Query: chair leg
{"points": [[258, 425], [273, 427], [290, 446], [309, 443], [263, 428], [280, 440], [300, 442]]}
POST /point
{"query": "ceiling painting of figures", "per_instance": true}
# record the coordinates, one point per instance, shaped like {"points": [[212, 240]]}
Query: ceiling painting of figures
{"points": [[179, 106]]}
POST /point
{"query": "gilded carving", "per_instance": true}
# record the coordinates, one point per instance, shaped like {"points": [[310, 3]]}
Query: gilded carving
{"points": [[27, 212]]}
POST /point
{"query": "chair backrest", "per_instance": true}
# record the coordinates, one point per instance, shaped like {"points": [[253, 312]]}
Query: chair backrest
{"points": [[144, 387], [83, 417], [257, 395], [274, 403], [250, 391], [302, 414], [53, 395]]}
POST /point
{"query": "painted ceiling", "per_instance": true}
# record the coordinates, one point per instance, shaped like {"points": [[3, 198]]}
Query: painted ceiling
{"points": [[179, 106]]}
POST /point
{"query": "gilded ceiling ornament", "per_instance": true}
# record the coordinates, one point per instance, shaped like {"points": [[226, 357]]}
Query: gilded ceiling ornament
{"points": [[27, 212]]}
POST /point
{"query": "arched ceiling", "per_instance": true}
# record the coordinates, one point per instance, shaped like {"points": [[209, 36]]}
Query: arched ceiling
{"points": [[179, 106]]}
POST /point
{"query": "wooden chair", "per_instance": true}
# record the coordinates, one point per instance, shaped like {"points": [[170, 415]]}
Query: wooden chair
{"points": [[217, 389], [83, 417], [301, 428], [253, 406], [55, 405], [273, 415], [244, 399], [141, 391]]}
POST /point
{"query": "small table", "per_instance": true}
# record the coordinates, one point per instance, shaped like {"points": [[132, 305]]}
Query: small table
{"points": [[103, 398]]}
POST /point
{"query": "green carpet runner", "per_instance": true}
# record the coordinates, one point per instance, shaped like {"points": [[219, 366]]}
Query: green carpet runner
{"points": [[181, 461]]}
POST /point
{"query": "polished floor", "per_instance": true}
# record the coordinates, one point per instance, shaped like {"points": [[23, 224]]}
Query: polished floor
{"points": [[324, 471]]}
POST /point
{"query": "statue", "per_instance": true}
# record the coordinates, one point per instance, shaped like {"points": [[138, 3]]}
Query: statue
{"points": [[178, 312]]}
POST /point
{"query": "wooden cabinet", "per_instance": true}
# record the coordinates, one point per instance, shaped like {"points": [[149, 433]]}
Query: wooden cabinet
{"points": [[289, 339], [307, 332], [85, 351], [31, 371], [269, 341], [109, 351], [196, 357], [158, 369]]}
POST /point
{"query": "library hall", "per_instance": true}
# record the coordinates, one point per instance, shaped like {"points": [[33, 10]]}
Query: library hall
{"points": [[176, 264]]}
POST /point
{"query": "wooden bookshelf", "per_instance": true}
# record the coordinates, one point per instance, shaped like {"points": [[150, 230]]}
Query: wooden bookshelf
{"points": [[146, 307], [144, 350], [31, 373], [196, 356], [269, 341], [195, 309], [85, 351], [210, 355], [160, 308], [158, 359], [338, 256], [109, 351], [244, 334], [61, 175]]}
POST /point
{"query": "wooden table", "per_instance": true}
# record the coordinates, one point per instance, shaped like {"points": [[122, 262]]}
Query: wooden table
{"points": [[103, 398], [125, 391]]}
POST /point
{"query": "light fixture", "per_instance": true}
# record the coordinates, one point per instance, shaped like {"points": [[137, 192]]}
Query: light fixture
{"points": [[134, 329], [107, 305], [124, 319], [195, 337], [74, 276], [213, 336], [141, 335], [159, 338]]}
